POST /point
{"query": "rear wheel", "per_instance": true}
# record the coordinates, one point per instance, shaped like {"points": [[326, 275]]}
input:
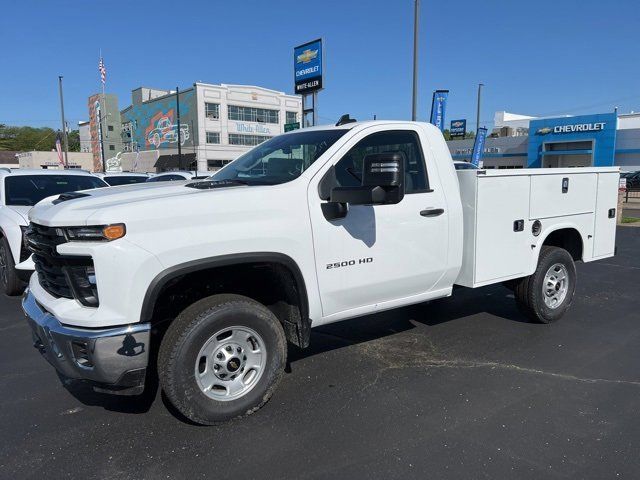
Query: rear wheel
{"points": [[222, 358], [10, 284], [547, 294]]}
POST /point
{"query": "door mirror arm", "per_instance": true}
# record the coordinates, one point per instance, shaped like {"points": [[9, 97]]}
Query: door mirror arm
{"points": [[334, 210]]}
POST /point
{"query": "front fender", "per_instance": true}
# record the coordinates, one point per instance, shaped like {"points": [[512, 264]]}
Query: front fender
{"points": [[10, 229], [164, 277]]}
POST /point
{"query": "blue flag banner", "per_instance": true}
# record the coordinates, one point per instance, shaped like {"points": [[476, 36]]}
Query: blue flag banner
{"points": [[478, 146], [438, 108]]}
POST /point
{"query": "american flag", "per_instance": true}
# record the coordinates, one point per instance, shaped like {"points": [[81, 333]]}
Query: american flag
{"points": [[103, 71]]}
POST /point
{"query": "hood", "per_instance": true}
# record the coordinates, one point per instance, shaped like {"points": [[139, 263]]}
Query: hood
{"points": [[80, 207], [22, 211]]}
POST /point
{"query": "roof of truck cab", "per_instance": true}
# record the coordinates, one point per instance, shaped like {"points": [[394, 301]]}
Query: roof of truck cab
{"points": [[349, 126]]}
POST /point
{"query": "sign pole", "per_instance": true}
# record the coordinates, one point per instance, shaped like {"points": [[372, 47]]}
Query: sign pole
{"points": [[480, 85], [179, 133], [414, 107], [315, 108], [64, 125]]}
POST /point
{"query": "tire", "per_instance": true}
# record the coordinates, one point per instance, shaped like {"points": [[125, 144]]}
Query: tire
{"points": [[189, 353], [10, 283], [545, 283]]}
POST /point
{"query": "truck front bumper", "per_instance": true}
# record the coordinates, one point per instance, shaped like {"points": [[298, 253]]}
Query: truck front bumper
{"points": [[115, 359]]}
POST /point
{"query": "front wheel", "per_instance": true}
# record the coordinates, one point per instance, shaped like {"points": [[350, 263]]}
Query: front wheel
{"points": [[546, 295], [222, 358], [10, 283]]}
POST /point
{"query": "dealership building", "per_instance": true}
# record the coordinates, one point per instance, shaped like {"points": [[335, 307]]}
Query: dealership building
{"points": [[218, 123], [520, 141]]}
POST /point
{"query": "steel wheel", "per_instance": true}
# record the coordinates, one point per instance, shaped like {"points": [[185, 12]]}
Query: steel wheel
{"points": [[230, 363], [555, 285]]}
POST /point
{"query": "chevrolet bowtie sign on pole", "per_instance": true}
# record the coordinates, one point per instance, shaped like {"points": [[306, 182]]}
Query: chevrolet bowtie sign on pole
{"points": [[308, 73], [438, 108], [458, 129]]}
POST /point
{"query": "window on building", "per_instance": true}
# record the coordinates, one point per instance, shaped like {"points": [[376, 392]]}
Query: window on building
{"points": [[213, 137], [110, 128], [112, 147], [349, 169], [251, 114], [212, 111], [216, 164], [292, 117], [247, 140]]}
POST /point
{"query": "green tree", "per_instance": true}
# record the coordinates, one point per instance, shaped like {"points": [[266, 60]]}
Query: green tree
{"points": [[23, 139], [73, 137]]}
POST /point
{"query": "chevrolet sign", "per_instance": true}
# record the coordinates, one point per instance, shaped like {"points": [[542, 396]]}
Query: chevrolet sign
{"points": [[307, 65], [577, 128]]}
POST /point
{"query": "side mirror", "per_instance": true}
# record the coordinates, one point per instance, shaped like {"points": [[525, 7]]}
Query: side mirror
{"points": [[382, 181]]}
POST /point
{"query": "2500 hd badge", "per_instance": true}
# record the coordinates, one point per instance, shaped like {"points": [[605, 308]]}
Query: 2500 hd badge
{"points": [[349, 263]]}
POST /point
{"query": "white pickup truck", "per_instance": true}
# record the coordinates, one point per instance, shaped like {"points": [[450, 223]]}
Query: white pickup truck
{"points": [[20, 189], [310, 227]]}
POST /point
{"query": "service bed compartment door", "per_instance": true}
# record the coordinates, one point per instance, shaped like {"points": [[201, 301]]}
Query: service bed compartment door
{"points": [[501, 251], [605, 227], [563, 194]]}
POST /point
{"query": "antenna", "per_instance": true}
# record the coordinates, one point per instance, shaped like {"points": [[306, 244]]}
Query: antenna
{"points": [[344, 119]]}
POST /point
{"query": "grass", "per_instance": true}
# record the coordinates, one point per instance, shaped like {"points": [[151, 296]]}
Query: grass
{"points": [[630, 219]]}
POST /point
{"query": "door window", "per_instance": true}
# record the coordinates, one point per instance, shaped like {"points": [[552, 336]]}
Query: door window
{"points": [[349, 169]]}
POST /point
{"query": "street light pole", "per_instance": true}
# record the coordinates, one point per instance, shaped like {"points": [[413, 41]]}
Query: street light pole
{"points": [[179, 132], [414, 108], [480, 85], [64, 125]]}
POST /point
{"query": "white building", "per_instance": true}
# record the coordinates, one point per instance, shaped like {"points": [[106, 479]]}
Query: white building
{"points": [[49, 160], [84, 131], [218, 123]]}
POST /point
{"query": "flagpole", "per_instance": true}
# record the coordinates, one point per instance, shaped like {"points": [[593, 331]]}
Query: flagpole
{"points": [[64, 125], [102, 106]]}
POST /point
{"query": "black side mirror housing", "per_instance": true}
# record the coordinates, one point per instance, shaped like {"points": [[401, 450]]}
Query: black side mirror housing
{"points": [[382, 181]]}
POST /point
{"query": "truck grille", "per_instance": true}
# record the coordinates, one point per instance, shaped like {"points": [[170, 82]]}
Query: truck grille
{"points": [[51, 267]]}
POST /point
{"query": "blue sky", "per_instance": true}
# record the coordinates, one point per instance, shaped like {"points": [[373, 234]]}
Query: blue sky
{"points": [[539, 58]]}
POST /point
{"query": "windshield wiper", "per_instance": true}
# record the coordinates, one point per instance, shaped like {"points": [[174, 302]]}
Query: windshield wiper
{"points": [[209, 184]]}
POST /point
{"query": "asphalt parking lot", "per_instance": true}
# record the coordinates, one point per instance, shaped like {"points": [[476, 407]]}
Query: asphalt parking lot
{"points": [[460, 388]]}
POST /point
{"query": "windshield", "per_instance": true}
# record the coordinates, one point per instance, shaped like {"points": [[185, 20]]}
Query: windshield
{"points": [[30, 189], [116, 180], [280, 159]]}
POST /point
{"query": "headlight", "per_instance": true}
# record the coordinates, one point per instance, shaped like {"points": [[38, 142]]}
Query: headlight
{"points": [[97, 233], [82, 280]]}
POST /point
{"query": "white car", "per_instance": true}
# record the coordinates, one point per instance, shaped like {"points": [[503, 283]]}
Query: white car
{"points": [[179, 175], [19, 191], [122, 178], [310, 227]]}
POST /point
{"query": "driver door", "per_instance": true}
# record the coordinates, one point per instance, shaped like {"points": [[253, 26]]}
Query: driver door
{"points": [[380, 253]]}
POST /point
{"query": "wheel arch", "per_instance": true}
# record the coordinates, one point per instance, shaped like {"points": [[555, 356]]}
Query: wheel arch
{"points": [[297, 327], [566, 236]]}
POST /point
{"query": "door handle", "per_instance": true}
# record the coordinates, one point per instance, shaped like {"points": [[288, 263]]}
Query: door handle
{"points": [[432, 212]]}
